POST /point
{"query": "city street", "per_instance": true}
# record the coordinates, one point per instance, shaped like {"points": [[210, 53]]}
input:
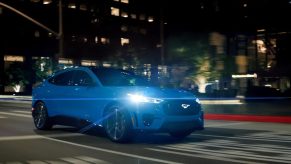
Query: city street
{"points": [[220, 142], [146, 65]]}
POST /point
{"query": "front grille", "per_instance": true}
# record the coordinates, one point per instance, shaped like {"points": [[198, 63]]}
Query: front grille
{"points": [[175, 107]]}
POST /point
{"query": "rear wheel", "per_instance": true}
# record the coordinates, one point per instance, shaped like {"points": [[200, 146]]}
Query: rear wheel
{"points": [[40, 117], [117, 124]]}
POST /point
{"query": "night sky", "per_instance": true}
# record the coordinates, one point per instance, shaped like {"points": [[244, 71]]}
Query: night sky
{"points": [[227, 15]]}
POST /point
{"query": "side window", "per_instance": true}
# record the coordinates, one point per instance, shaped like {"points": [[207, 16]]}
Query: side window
{"points": [[63, 79], [82, 78]]}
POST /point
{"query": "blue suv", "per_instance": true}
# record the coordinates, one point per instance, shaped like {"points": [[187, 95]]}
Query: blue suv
{"points": [[117, 100]]}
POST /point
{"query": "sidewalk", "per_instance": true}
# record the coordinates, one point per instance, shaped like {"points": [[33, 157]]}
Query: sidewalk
{"points": [[18, 99]]}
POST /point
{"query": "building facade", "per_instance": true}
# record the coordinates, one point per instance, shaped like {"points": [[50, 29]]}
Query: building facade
{"points": [[163, 40], [95, 33]]}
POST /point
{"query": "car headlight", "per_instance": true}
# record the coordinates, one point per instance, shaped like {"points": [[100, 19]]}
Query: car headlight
{"points": [[137, 98]]}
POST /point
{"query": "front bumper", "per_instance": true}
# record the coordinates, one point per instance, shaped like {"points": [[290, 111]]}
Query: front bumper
{"points": [[152, 117]]}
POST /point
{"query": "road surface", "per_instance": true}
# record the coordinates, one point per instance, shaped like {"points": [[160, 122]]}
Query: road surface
{"points": [[220, 142]]}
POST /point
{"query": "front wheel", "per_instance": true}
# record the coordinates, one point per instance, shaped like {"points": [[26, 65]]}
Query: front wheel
{"points": [[40, 117], [117, 124]]}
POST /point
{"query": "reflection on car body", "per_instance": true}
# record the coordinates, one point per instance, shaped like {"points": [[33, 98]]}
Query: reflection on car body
{"points": [[117, 100]]}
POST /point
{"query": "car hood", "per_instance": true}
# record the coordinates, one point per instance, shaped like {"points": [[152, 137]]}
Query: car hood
{"points": [[156, 92]]}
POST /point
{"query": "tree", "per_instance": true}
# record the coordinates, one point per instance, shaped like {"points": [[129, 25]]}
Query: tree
{"points": [[42, 68], [193, 52], [16, 76]]}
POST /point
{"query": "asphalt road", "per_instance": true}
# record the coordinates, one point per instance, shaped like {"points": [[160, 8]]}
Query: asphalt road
{"points": [[221, 142]]}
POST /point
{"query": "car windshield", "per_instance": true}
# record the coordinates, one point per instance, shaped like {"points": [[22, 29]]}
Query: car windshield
{"points": [[116, 77]]}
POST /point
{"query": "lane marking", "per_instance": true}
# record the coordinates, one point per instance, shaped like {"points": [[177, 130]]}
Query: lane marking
{"points": [[228, 153], [227, 124], [22, 111], [92, 160], [64, 160], [36, 162], [111, 151], [16, 114], [242, 138], [29, 137], [211, 156], [238, 146], [55, 162], [74, 160], [245, 147]]}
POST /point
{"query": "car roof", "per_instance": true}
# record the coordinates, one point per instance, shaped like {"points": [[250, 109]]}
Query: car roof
{"points": [[94, 68]]}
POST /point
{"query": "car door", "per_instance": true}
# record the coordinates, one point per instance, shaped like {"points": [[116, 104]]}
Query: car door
{"points": [[83, 95], [58, 92]]}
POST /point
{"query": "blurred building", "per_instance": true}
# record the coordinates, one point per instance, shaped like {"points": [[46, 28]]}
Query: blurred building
{"points": [[256, 49], [96, 33], [248, 40]]}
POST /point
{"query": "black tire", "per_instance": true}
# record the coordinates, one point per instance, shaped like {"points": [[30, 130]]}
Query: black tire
{"points": [[181, 134], [117, 124], [40, 117]]}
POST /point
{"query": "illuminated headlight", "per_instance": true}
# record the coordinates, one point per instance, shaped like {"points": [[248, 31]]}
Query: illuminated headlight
{"points": [[197, 100], [142, 99]]}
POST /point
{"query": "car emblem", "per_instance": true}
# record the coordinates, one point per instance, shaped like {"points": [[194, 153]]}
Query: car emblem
{"points": [[185, 106]]}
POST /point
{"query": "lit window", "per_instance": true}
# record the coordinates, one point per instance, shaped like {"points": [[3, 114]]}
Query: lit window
{"points": [[150, 19], [124, 1], [261, 47], [115, 11], [261, 30], [85, 40], [72, 5], [96, 39], [13, 58], [74, 38], [124, 28], [50, 34], [124, 41], [124, 14], [94, 20], [116, 0], [88, 63], [142, 17], [83, 7], [105, 64], [65, 61], [46, 2], [105, 41], [133, 16], [34, 0], [36, 34]]}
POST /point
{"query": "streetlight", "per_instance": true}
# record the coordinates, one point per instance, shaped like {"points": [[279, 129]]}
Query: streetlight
{"points": [[59, 34]]}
